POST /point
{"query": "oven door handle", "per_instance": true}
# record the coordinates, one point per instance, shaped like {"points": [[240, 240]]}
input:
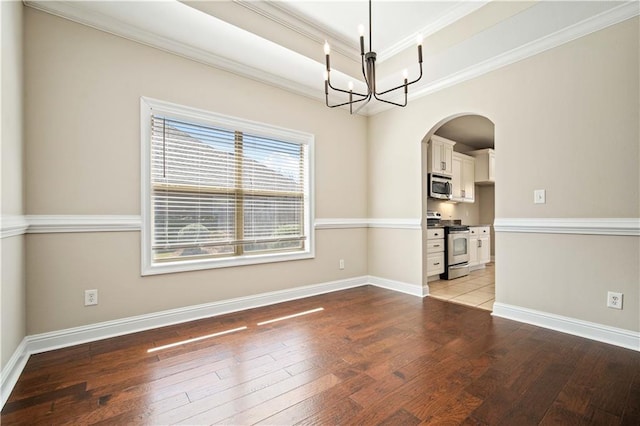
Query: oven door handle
{"points": [[458, 232]]}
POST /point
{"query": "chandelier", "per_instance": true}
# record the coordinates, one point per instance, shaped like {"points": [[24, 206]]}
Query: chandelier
{"points": [[369, 72]]}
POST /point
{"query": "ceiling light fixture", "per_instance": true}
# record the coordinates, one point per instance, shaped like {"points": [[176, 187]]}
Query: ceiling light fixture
{"points": [[369, 73]]}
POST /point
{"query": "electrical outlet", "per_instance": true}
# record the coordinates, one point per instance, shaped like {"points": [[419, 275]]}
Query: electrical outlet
{"points": [[341, 264], [90, 297], [614, 300]]}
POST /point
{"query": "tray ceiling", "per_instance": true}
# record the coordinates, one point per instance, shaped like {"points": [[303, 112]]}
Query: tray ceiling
{"points": [[280, 43]]}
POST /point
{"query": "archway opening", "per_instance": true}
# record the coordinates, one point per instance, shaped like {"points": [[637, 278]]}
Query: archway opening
{"points": [[459, 154]]}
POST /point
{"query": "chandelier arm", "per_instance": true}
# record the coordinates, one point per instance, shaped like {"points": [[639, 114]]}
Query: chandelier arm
{"points": [[344, 91], [375, 95], [344, 103], [402, 85], [368, 98]]}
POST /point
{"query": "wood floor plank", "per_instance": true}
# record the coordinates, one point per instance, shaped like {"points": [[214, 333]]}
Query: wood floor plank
{"points": [[248, 399], [281, 402], [371, 356], [330, 406]]}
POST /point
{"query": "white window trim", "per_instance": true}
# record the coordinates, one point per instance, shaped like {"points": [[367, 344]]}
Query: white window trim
{"points": [[148, 267]]}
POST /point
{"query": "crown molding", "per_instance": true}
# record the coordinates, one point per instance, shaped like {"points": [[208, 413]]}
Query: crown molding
{"points": [[82, 13], [294, 74], [288, 18], [454, 14], [613, 16]]}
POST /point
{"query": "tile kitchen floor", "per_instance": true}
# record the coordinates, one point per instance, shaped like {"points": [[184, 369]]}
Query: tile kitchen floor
{"points": [[476, 289]]}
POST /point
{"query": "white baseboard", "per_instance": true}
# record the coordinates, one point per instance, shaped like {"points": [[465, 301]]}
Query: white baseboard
{"points": [[12, 370], [602, 333], [89, 333], [93, 332], [399, 286]]}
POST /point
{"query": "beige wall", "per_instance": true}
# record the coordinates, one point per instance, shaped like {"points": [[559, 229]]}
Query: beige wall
{"points": [[559, 117], [570, 275], [12, 147], [60, 268], [83, 156], [566, 120], [12, 284], [487, 210]]}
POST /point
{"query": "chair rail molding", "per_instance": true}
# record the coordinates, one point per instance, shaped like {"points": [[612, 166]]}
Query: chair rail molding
{"points": [[47, 224], [583, 226], [13, 225]]}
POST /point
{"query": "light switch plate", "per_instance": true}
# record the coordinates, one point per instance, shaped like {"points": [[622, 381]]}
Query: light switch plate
{"points": [[539, 196]]}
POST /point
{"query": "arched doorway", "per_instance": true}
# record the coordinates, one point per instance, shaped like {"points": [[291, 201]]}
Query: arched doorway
{"points": [[471, 140]]}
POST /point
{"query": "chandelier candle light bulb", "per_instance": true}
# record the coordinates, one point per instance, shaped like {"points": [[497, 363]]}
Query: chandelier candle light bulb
{"points": [[369, 73]]}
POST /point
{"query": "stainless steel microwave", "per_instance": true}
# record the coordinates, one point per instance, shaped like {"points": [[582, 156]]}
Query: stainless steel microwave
{"points": [[440, 187]]}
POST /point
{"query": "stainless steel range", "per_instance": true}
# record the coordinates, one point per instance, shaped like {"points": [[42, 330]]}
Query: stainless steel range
{"points": [[456, 251], [456, 247]]}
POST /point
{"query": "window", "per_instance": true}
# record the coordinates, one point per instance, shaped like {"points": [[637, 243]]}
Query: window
{"points": [[221, 191]]}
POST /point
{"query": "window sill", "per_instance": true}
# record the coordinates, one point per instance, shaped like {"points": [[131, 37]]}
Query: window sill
{"points": [[203, 264]]}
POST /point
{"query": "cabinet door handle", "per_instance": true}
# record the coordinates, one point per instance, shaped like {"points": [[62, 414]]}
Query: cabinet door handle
{"points": [[436, 264], [479, 243], [436, 245]]}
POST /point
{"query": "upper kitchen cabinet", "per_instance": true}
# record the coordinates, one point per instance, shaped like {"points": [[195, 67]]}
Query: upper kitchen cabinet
{"points": [[440, 156], [463, 181], [485, 166]]}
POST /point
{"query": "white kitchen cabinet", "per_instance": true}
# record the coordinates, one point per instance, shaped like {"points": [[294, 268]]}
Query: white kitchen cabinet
{"points": [[479, 246], [439, 156], [485, 166], [434, 253], [463, 179], [435, 264]]}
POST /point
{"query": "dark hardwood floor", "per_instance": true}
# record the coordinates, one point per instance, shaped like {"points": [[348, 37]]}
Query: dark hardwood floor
{"points": [[372, 356]]}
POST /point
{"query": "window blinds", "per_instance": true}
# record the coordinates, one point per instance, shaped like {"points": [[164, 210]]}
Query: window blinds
{"points": [[220, 192]]}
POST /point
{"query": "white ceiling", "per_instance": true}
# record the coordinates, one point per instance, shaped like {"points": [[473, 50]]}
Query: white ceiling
{"points": [[475, 131], [280, 43], [395, 24]]}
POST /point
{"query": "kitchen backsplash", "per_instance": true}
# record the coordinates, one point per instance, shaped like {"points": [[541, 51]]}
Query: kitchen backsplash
{"points": [[468, 213]]}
